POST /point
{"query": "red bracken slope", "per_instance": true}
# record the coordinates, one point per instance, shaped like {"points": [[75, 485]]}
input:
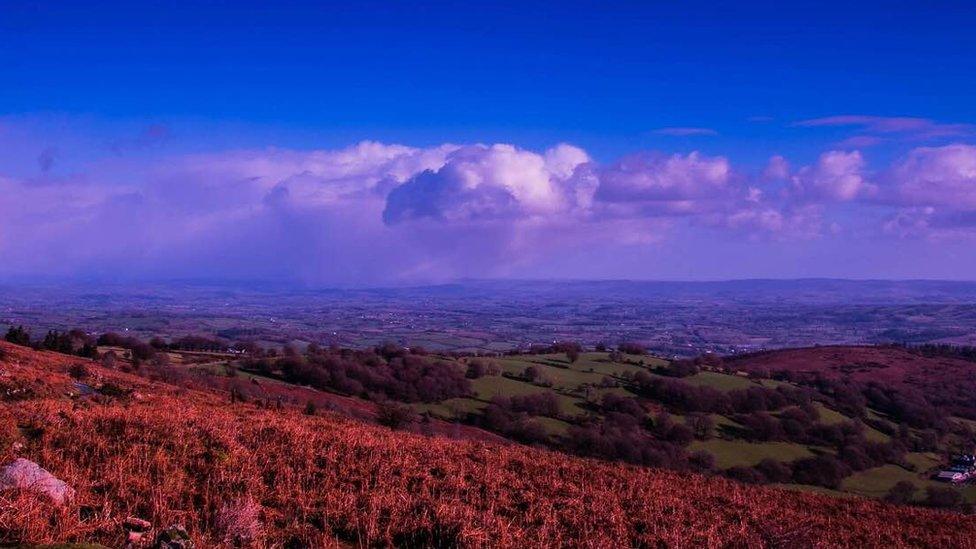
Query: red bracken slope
{"points": [[890, 365], [946, 381], [280, 478]]}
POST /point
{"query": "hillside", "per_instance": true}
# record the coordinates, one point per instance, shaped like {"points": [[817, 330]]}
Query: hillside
{"points": [[278, 477], [891, 365], [815, 433], [946, 381]]}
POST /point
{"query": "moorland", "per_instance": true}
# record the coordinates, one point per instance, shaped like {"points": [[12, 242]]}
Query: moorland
{"points": [[240, 472]]}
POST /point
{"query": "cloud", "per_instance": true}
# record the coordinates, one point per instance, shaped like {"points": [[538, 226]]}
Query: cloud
{"points": [[934, 192], [782, 223], [685, 131], [860, 142], [837, 176], [266, 214], [777, 169], [666, 184], [937, 176], [919, 127], [909, 222], [487, 183], [374, 213]]}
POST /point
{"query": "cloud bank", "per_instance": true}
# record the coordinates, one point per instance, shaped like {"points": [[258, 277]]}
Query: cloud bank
{"points": [[375, 213]]}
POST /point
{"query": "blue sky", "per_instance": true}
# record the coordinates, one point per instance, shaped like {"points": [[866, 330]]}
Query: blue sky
{"points": [[96, 97], [529, 74]]}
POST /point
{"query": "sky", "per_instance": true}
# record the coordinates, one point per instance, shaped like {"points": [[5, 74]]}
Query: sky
{"points": [[399, 143]]}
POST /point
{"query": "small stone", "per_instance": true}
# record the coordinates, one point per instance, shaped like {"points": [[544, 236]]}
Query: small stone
{"points": [[27, 475], [136, 524]]}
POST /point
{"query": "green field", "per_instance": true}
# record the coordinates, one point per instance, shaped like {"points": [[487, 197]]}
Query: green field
{"points": [[553, 426], [562, 378], [732, 453], [924, 462], [574, 383], [877, 481], [722, 382], [489, 387], [590, 368], [830, 417]]}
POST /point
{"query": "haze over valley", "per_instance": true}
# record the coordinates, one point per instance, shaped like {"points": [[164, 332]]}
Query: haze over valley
{"points": [[669, 318]]}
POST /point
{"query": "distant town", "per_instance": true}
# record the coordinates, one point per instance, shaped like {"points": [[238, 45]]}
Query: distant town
{"points": [[670, 319]]}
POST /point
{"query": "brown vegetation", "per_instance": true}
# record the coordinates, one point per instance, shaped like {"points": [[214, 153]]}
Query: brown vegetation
{"points": [[241, 473]]}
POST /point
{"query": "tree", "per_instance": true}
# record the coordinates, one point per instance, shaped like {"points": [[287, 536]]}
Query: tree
{"points": [[393, 415], [942, 498], [18, 336], [310, 408], [774, 471], [88, 350], [681, 368], [761, 426], [476, 369], [141, 352], [572, 355], [820, 471], [747, 475], [530, 373], [57, 342], [702, 460], [902, 493], [702, 425], [631, 348]]}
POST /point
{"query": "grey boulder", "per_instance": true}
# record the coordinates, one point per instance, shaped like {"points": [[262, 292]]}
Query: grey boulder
{"points": [[27, 475]]}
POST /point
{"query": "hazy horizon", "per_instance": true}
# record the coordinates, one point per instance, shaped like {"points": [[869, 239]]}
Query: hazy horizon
{"points": [[27, 281]]}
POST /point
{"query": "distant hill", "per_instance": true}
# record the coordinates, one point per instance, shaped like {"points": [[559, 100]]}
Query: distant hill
{"points": [[945, 380], [890, 364], [246, 473]]}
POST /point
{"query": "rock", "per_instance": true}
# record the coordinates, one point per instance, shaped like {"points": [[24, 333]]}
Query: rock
{"points": [[135, 524], [27, 475], [174, 537], [136, 529]]}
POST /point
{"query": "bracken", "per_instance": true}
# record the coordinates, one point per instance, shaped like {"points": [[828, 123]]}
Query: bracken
{"points": [[175, 456]]}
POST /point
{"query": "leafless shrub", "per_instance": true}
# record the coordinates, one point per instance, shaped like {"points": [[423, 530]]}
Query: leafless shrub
{"points": [[240, 523]]}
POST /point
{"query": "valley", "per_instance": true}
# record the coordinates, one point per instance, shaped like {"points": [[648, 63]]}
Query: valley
{"points": [[756, 419]]}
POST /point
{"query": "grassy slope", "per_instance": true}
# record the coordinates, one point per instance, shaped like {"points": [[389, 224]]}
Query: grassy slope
{"points": [[176, 455], [730, 453], [593, 367], [567, 377]]}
